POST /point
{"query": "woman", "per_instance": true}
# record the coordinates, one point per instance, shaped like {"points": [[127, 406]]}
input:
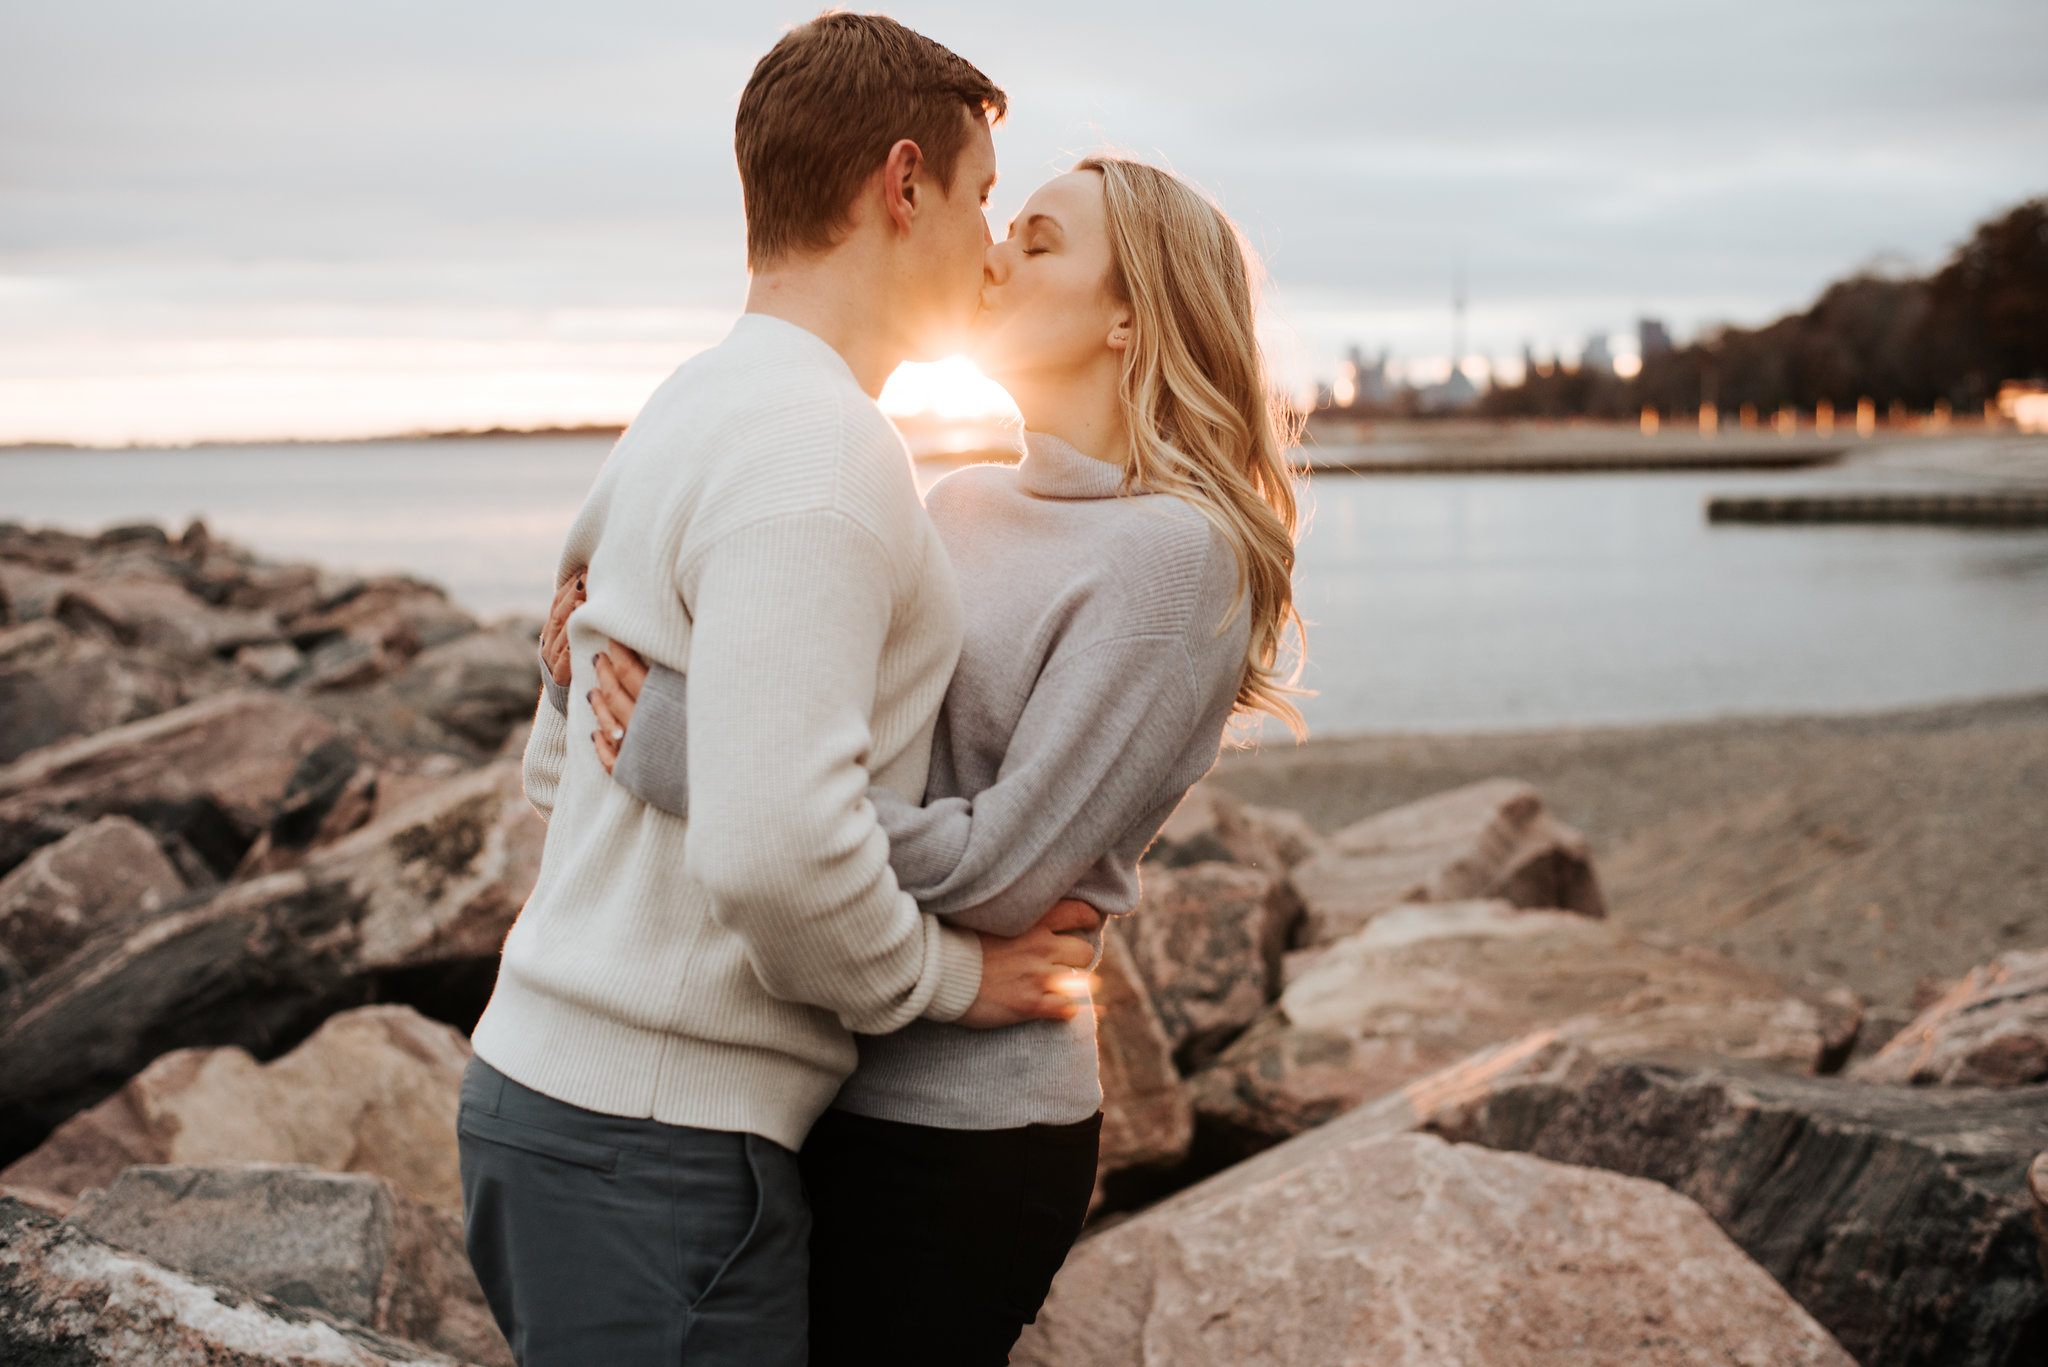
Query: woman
{"points": [[1127, 590]]}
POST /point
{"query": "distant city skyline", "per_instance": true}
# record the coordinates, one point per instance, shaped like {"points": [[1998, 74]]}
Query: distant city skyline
{"points": [[232, 219]]}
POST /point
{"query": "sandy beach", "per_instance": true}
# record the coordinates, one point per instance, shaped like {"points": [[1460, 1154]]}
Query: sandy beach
{"points": [[1871, 850]]}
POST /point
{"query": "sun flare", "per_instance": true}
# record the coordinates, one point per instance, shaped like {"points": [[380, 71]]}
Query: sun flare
{"points": [[952, 389]]}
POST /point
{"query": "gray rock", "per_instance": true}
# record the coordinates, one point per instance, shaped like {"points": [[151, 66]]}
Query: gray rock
{"points": [[2037, 1186], [156, 610], [61, 894], [1988, 1030], [1900, 1217], [1405, 1251], [1211, 826], [214, 773], [56, 686], [70, 1300], [1207, 940], [434, 885], [352, 1245], [1487, 840]]}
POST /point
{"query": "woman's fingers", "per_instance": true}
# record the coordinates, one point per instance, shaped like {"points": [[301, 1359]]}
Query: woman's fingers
{"points": [[610, 689], [630, 671], [609, 734]]}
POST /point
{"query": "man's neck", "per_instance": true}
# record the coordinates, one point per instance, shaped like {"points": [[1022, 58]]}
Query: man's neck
{"points": [[840, 299]]}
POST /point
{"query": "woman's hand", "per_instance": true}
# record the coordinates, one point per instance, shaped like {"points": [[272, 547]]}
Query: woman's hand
{"points": [[1040, 975], [620, 673], [554, 637]]}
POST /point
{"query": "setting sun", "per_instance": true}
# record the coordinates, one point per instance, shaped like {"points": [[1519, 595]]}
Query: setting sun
{"points": [[952, 388]]}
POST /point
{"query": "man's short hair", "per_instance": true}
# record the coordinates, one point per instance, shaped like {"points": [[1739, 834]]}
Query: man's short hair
{"points": [[824, 107]]}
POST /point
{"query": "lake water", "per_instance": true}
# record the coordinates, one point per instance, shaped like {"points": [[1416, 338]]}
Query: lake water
{"points": [[1438, 603]]}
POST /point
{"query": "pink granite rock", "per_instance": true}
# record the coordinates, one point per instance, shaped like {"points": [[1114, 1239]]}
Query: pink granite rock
{"points": [[1146, 1119], [63, 892], [1988, 1030], [1426, 985], [1487, 840], [1405, 1251], [374, 1090], [1207, 940]]}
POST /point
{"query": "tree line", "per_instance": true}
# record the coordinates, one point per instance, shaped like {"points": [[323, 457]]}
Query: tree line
{"points": [[1946, 339]]}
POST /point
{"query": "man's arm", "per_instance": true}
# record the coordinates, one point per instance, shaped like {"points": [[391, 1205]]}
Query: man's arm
{"points": [[789, 620]]}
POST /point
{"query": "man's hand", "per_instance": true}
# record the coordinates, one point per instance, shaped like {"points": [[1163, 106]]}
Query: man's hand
{"points": [[1040, 975], [620, 673], [554, 637]]}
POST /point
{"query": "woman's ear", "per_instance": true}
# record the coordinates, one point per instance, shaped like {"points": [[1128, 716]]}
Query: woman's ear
{"points": [[1120, 330]]}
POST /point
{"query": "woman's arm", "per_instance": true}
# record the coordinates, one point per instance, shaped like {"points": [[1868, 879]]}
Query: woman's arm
{"points": [[1101, 731]]}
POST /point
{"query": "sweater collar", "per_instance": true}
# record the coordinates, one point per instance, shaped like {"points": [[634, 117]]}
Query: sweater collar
{"points": [[1053, 469]]}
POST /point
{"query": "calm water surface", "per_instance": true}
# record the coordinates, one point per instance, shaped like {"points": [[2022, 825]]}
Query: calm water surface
{"points": [[1438, 603]]}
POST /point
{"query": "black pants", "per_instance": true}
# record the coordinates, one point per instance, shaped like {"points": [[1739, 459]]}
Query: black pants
{"points": [[602, 1241], [934, 1248]]}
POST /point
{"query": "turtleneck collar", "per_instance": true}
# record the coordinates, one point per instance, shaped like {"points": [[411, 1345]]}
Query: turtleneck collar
{"points": [[1053, 469]]}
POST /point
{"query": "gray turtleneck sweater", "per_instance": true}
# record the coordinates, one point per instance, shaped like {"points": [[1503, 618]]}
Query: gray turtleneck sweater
{"points": [[1096, 677]]}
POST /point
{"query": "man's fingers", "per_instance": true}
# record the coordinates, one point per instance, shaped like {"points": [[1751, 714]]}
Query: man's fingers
{"points": [[1071, 951], [1055, 1007], [1069, 914]]}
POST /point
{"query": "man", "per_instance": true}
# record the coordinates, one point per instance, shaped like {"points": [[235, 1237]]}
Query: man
{"points": [[675, 1003]]}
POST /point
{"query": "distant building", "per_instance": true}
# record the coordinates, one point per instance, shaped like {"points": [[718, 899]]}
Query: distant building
{"points": [[1363, 383], [1596, 357], [1652, 338]]}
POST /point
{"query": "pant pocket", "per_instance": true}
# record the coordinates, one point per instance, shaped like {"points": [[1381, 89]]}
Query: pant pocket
{"points": [[514, 1134]]}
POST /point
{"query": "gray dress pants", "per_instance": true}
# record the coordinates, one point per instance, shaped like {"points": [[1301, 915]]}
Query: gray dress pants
{"points": [[603, 1241]]}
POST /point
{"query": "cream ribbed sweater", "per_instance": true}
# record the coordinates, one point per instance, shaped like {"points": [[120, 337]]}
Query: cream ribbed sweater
{"points": [[757, 529]]}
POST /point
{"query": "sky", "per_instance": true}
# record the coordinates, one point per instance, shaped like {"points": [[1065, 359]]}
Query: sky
{"points": [[249, 219]]}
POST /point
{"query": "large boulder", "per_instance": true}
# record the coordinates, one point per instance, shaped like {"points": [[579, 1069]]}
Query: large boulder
{"points": [[1900, 1217], [214, 773], [61, 894], [152, 610], [1207, 940], [1423, 986], [55, 686], [1405, 1251], [355, 1246], [463, 697], [70, 1300], [418, 902], [374, 1090], [373, 630], [2037, 1186], [1988, 1030], [1146, 1121], [1492, 839], [1211, 826]]}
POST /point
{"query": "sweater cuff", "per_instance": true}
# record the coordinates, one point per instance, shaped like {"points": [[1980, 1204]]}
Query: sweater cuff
{"points": [[959, 974], [925, 848], [654, 758], [558, 694]]}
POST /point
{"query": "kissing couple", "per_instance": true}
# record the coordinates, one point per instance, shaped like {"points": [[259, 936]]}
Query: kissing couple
{"points": [[790, 1057]]}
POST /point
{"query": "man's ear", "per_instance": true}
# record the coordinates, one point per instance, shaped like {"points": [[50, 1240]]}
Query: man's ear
{"points": [[900, 171]]}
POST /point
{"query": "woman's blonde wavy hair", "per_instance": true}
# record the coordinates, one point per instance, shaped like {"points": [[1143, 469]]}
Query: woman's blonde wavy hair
{"points": [[1205, 423]]}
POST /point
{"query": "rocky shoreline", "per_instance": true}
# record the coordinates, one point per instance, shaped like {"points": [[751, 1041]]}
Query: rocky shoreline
{"points": [[1569, 1049]]}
